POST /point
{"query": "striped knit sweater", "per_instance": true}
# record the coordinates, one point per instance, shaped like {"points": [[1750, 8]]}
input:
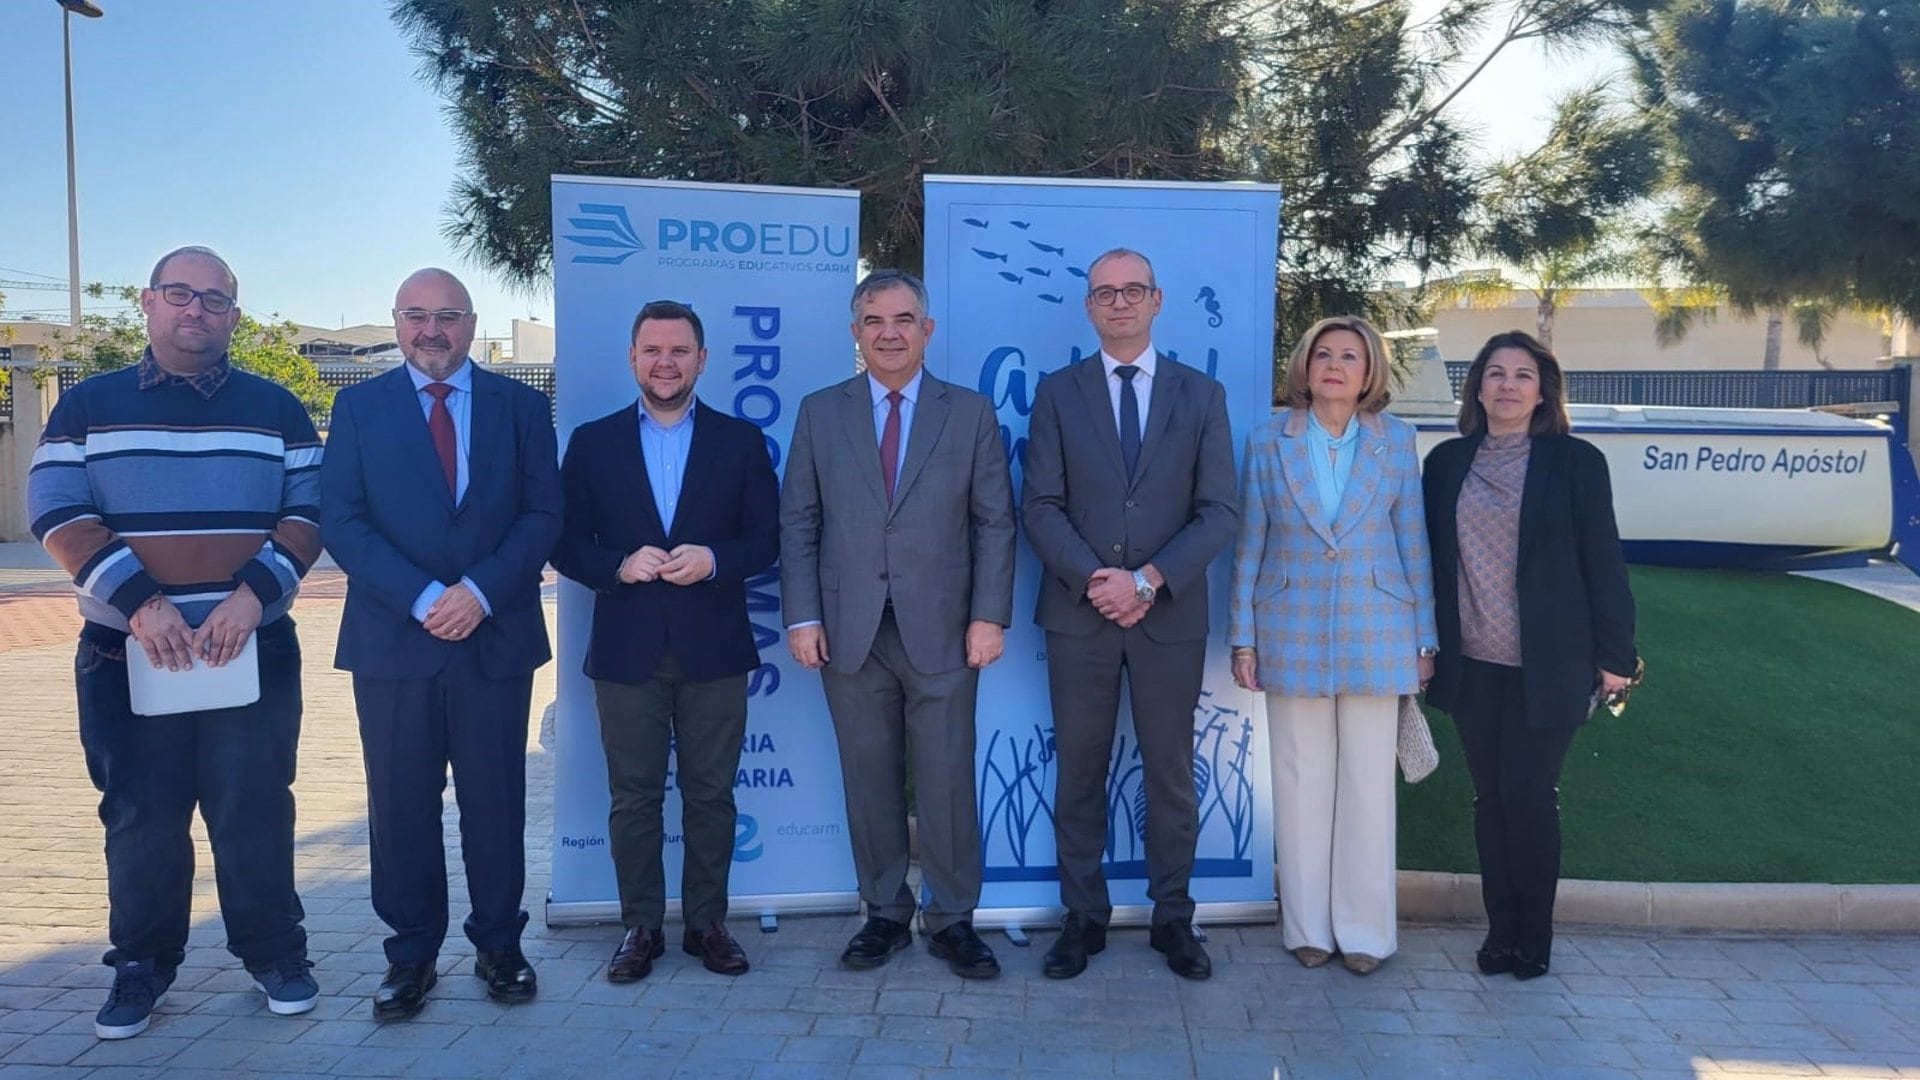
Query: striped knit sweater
{"points": [[147, 483]]}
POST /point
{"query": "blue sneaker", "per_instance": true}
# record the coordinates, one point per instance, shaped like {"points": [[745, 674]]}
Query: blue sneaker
{"points": [[288, 984], [138, 986]]}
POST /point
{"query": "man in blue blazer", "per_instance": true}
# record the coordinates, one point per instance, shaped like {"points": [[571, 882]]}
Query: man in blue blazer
{"points": [[440, 498], [670, 508]]}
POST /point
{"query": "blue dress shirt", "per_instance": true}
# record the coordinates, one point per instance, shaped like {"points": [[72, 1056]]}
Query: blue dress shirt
{"points": [[460, 407], [1332, 461], [665, 451], [909, 394]]}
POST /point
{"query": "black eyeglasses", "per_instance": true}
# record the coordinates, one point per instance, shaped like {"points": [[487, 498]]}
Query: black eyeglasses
{"points": [[414, 316], [1106, 294], [211, 301]]}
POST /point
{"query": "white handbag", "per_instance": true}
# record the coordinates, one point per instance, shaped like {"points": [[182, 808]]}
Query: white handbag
{"points": [[1415, 749]]}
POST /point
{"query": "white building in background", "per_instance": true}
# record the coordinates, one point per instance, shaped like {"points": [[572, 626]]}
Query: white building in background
{"points": [[1612, 329]]}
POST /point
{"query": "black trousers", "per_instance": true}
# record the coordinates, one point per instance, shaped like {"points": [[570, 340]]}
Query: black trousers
{"points": [[1516, 806], [411, 730], [701, 725]]}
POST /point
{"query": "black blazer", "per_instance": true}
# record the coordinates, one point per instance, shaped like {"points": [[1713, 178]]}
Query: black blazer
{"points": [[729, 501], [1576, 610]]}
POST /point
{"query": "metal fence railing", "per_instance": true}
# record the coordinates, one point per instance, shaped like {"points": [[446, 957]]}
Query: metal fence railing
{"points": [[339, 376], [1723, 389]]}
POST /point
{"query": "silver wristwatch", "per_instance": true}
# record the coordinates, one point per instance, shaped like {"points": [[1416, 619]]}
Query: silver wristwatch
{"points": [[1142, 588]]}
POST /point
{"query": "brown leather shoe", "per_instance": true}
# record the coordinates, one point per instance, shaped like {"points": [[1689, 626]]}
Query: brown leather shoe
{"points": [[633, 960], [716, 949]]}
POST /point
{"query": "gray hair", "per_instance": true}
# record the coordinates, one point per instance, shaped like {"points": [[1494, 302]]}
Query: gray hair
{"points": [[1120, 252], [153, 281], [882, 280]]}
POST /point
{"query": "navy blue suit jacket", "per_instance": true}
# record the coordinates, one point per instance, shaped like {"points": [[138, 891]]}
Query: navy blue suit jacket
{"points": [[391, 524], [729, 502]]}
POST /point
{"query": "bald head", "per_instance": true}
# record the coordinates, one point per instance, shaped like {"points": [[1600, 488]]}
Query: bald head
{"points": [[433, 321]]}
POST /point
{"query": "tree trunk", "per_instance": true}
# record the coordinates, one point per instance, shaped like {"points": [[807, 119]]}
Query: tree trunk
{"points": [[1543, 312], [1776, 322]]}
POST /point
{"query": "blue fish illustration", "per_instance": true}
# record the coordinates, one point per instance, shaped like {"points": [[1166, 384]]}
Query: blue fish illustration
{"points": [[1048, 247], [1076, 271], [1015, 278], [985, 254], [1021, 224], [1050, 298], [1037, 270], [975, 222], [1208, 300]]}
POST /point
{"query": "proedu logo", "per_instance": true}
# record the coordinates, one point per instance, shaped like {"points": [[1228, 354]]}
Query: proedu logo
{"points": [[607, 232]]}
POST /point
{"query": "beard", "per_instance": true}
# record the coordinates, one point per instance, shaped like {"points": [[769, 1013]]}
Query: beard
{"points": [[438, 365], [668, 404]]}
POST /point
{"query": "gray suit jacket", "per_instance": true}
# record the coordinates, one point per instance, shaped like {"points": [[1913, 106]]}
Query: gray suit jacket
{"points": [[1082, 513], [944, 550]]}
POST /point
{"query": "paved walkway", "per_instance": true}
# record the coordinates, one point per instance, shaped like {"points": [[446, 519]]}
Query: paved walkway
{"points": [[1617, 1005]]}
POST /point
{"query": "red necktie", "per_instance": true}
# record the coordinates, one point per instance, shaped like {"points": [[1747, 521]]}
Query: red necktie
{"points": [[890, 443], [440, 425]]}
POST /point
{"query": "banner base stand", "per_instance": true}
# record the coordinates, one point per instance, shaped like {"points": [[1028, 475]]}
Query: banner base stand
{"points": [[1016, 921], [769, 924], [766, 908]]}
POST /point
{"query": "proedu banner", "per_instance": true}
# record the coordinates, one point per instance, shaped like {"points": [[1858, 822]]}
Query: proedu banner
{"points": [[769, 270]]}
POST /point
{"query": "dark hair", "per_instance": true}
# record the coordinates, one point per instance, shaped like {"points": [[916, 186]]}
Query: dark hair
{"points": [[669, 311], [153, 280], [881, 281], [1549, 416]]}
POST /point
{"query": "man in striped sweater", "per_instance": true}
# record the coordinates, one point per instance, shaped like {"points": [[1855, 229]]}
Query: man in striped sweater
{"points": [[182, 495]]}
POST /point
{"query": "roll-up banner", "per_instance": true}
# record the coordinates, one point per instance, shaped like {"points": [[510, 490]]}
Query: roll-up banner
{"points": [[769, 270], [1006, 263]]}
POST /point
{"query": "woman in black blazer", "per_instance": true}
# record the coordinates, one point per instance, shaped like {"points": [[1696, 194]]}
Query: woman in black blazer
{"points": [[1535, 618]]}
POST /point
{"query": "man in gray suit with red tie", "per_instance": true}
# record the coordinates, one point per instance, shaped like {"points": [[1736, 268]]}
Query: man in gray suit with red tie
{"points": [[1128, 495], [896, 574]]}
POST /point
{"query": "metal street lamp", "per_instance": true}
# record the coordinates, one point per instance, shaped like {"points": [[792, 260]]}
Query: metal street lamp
{"points": [[86, 9]]}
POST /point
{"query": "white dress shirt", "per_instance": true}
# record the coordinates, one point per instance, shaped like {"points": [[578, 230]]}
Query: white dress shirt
{"points": [[1142, 384]]}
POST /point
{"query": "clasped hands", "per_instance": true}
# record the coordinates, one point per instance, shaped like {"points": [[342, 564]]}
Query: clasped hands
{"points": [[169, 643], [1110, 590], [684, 565]]}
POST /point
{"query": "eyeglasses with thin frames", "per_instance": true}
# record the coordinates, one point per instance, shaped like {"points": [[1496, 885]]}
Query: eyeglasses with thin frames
{"points": [[212, 301], [414, 316], [1105, 295]]}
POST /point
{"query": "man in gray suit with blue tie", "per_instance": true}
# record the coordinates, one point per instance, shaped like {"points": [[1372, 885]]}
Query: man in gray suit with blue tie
{"points": [[1128, 495], [896, 575]]}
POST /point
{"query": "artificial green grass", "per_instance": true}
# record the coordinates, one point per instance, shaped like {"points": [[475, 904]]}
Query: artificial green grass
{"points": [[1777, 739]]}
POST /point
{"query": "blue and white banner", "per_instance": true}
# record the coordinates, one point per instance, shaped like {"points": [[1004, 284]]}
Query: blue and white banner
{"points": [[1006, 264], [769, 270]]}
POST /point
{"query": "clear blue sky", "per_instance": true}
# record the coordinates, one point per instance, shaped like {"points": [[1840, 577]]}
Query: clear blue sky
{"points": [[295, 137]]}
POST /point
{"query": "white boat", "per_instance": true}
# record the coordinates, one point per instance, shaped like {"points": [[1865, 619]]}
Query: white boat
{"points": [[1724, 487]]}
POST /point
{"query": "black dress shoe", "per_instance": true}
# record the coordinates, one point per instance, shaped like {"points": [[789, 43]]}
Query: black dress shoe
{"points": [[1185, 955], [876, 943], [1527, 966], [509, 977], [404, 991], [633, 960], [1493, 961], [1080, 937], [964, 952], [716, 949]]}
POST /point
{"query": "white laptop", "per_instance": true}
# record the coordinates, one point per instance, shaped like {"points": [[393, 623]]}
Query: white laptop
{"points": [[155, 691]]}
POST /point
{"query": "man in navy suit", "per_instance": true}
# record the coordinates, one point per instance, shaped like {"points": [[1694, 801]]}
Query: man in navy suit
{"points": [[441, 500], [670, 508]]}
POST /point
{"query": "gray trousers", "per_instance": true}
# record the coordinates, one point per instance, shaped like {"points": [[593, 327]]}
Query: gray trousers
{"points": [[702, 725], [874, 711], [1163, 684]]}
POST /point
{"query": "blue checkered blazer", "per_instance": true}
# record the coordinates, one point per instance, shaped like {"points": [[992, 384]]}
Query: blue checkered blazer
{"points": [[1332, 609]]}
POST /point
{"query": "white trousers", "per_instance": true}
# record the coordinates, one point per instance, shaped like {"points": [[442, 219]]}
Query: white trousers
{"points": [[1333, 810]]}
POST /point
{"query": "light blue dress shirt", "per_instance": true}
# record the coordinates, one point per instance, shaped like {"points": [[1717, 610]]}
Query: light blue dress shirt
{"points": [[460, 407], [665, 450], [909, 394], [1332, 461]]}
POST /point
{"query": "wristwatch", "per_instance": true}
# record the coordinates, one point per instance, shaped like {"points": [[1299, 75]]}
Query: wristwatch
{"points": [[1142, 588], [1428, 652]]}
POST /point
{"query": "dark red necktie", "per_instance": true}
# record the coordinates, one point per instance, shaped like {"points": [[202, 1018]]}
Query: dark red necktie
{"points": [[890, 443], [440, 425]]}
